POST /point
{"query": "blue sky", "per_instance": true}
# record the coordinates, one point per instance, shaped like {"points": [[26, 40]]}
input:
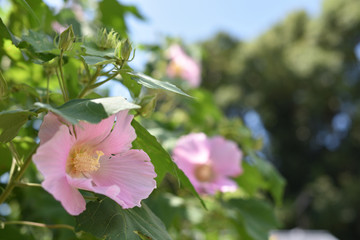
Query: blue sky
{"points": [[196, 20]]}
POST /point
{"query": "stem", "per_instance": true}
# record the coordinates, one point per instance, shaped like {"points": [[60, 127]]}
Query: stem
{"points": [[66, 97], [47, 89], [23, 184], [12, 181], [14, 153], [60, 84], [102, 82], [91, 81], [35, 224]]}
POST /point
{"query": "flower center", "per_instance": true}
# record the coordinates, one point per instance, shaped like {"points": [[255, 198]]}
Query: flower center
{"points": [[82, 161], [204, 173]]}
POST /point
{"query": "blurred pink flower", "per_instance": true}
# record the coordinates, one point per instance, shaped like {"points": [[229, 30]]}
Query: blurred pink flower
{"points": [[93, 157], [208, 162], [183, 66], [57, 27]]}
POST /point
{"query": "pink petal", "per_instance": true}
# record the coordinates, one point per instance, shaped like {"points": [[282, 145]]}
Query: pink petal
{"points": [[132, 172], [70, 197], [121, 137], [51, 156], [192, 148], [93, 134], [226, 185], [49, 127], [225, 156], [88, 184]]}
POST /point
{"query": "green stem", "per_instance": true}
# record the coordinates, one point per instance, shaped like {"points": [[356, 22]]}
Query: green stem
{"points": [[14, 153], [35, 224], [23, 184], [47, 89], [60, 84], [66, 97], [91, 81], [15, 179]]}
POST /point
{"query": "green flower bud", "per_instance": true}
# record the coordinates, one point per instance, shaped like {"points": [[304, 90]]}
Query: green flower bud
{"points": [[126, 49], [67, 38], [107, 40]]}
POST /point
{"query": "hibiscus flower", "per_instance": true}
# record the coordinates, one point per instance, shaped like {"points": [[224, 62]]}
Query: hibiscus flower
{"points": [[93, 157], [208, 162]]}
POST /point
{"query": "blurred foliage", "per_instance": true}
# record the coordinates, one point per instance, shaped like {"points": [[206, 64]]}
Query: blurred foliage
{"points": [[303, 77]]}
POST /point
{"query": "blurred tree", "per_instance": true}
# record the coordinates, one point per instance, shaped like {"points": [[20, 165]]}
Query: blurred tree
{"points": [[302, 76]]}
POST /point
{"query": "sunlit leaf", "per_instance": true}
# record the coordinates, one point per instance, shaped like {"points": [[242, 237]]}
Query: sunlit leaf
{"points": [[90, 110], [107, 220], [150, 82]]}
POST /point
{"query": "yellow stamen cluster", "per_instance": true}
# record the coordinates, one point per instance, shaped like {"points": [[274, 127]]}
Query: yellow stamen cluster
{"points": [[82, 161]]}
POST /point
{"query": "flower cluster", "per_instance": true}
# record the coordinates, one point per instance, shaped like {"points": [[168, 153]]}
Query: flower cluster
{"points": [[208, 162], [93, 157]]}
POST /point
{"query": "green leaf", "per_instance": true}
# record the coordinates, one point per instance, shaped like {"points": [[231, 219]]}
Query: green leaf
{"points": [[275, 181], [150, 82], [160, 158], [107, 220], [256, 216], [90, 110], [11, 122], [27, 7], [132, 85], [39, 41], [5, 33], [112, 15], [94, 52], [95, 60]]}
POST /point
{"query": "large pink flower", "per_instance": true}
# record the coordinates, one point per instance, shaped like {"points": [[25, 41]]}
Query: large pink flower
{"points": [[208, 162], [183, 66], [93, 157]]}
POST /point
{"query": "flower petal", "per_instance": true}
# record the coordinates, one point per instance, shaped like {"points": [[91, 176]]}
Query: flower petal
{"points": [[226, 185], [93, 134], [132, 172], [225, 156], [51, 156], [192, 148], [49, 127], [70, 197], [121, 137]]}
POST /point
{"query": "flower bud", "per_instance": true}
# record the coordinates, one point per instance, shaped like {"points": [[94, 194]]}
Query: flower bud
{"points": [[126, 49], [67, 38]]}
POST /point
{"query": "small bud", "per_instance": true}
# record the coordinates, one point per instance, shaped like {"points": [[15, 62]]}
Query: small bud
{"points": [[126, 49], [107, 40], [67, 38]]}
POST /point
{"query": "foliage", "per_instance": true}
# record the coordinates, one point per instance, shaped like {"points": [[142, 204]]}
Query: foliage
{"points": [[44, 70]]}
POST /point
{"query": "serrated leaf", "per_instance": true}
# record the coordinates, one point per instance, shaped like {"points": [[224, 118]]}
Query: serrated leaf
{"points": [[90, 110], [150, 82], [107, 220], [256, 216], [160, 158], [11, 122], [95, 60]]}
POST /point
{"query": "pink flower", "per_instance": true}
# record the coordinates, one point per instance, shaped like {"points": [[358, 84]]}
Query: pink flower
{"points": [[208, 162], [183, 66], [93, 157]]}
